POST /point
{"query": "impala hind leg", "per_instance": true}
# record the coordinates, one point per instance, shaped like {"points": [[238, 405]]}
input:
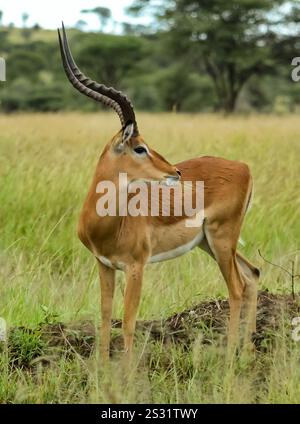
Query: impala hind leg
{"points": [[107, 284], [250, 275], [134, 277], [222, 245]]}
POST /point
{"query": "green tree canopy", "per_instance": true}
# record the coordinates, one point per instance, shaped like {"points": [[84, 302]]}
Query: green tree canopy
{"points": [[230, 40], [103, 14]]}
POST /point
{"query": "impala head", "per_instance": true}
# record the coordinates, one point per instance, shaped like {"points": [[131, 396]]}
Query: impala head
{"points": [[127, 151]]}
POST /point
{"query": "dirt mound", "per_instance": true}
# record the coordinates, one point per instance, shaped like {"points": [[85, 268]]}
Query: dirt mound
{"points": [[42, 344]]}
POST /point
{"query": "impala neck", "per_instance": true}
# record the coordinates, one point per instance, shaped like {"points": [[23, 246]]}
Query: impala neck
{"points": [[117, 197]]}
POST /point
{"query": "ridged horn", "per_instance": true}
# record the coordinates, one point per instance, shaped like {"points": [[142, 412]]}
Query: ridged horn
{"points": [[99, 92]]}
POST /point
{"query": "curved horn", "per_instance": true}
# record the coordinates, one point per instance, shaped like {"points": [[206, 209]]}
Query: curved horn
{"points": [[99, 92], [85, 90]]}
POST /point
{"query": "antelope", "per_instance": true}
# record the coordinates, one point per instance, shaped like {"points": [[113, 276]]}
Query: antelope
{"points": [[129, 243]]}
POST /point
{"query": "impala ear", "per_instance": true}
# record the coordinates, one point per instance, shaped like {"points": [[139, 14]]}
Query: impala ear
{"points": [[127, 133], [124, 137]]}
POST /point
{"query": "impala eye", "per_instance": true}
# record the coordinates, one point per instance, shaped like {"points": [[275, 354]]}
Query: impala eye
{"points": [[140, 150]]}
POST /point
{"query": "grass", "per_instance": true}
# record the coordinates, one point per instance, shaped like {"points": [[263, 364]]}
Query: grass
{"points": [[46, 165], [16, 35]]}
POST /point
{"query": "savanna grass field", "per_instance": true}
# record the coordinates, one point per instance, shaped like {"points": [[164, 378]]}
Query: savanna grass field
{"points": [[46, 275]]}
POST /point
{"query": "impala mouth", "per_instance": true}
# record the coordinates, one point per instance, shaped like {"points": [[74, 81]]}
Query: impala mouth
{"points": [[170, 180]]}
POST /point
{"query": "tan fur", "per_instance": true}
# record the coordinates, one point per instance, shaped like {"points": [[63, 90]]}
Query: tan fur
{"points": [[132, 241]]}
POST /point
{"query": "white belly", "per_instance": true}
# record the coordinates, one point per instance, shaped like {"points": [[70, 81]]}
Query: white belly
{"points": [[105, 261], [163, 256], [178, 251]]}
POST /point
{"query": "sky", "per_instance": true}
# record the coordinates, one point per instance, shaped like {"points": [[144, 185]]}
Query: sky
{"points": [[50, 13]]}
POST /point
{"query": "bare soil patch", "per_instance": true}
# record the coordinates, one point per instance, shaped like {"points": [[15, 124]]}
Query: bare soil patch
{"points": [[43, 344]]}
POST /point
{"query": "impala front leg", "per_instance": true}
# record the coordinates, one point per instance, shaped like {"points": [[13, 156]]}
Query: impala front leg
{"points": [[107, 283], [134, 277]]}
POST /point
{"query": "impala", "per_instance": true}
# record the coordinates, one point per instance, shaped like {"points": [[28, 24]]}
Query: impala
{"points": [[130, 242]]}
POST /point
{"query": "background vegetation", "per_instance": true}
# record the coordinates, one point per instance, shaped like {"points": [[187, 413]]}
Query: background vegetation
{"points": [[195, 56]]}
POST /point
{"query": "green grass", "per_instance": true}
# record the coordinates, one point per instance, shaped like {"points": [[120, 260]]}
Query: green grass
{"points": [[46, 165], [16, 35]]}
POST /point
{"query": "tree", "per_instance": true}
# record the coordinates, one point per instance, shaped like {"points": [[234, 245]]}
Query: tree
{"points": [[27, 64], [26, 32], [108, 58], [80, 24], [103, 13], [175, 85], [230, 40], [25, 18], [133, 29]]}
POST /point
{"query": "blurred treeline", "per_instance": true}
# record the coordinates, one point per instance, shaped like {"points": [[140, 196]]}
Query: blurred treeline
{"points": [[204, 55]]}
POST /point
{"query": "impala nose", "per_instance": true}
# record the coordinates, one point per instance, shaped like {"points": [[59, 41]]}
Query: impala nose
{"points": [[178, 172]]}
